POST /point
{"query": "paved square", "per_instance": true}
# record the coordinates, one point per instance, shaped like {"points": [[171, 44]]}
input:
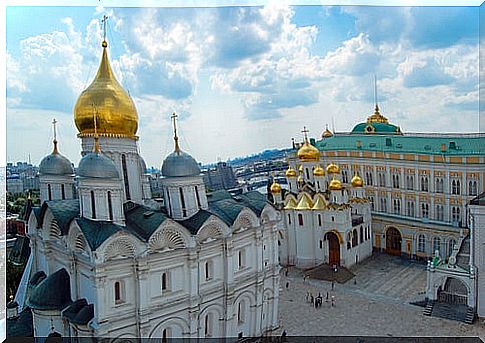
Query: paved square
{"points": [[377, 305]]}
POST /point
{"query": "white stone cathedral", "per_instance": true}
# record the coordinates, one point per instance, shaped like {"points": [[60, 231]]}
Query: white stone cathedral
{"points": [[109, 261], [323, 221]]}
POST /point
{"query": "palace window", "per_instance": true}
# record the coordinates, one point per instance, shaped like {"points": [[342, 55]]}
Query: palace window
{"points": [[439, 185], [455, 215], [421, 243], [424, 210], [345, 176], [397, 206], [383, 205], [382, 179], [424, 184], [472, 188], [436, 245], [410, 182], [440, 213], [395, 181], [410, 208], [300, 219], [371, 199], [451, 246], [368, 178]]}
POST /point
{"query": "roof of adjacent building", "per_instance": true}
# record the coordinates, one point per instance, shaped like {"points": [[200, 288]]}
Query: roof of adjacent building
{"points": [[64, 211], [418, 144], [478, 200], [52, 293], [20, 251], [376, 128], [142, 221], [21, 326], [194, 223], [79, 312]]}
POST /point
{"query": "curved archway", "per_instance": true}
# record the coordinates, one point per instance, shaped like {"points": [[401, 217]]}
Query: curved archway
{"points": [[393, 241], [333, 248], [455, 292]]}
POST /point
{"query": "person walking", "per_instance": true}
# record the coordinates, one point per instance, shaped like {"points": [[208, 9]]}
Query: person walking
{"points": [[311, 298], [287, 284], [333, 285], [333, 300], [326, 298]]}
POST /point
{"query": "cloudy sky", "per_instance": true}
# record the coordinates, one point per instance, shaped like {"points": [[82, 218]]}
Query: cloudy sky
{"points": [[243, 79]]}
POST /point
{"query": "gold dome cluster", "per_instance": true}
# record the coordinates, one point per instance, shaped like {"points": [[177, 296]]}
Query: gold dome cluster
{"points": [[308, 153], [275, 187], [290, 172], [332, 168], [116, 114], [357, 181], [318, 171], [335, 185]]}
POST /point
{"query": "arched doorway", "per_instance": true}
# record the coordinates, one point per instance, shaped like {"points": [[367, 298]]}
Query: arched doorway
{"points": [[393, 241], [333, 248], [455, 292]]}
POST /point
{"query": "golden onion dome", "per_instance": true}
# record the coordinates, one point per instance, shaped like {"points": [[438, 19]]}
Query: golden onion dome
{"points": [[318, 171], [357, 181], [300, 179], [116, 115], [332, 168], [275, 187], [300, 168], [308, 153], [327, 133], [335, 185], [290, 172]]}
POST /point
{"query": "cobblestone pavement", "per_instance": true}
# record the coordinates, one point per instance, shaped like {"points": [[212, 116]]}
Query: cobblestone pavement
{"points": [[378, 305]]}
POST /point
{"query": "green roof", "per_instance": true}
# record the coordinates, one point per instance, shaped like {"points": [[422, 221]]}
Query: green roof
{"points": [[381, 128], [21, 326], [455, 145], [52, 293], [63, 211], [96, 232], [142, 221], [194, 223]]}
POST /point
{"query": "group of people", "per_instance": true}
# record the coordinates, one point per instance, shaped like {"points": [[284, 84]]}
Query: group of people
{"points": [[317, 301]]}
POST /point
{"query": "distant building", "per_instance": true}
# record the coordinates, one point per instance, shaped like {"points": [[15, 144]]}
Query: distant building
{"points": [[220, 177], [15, 184]]}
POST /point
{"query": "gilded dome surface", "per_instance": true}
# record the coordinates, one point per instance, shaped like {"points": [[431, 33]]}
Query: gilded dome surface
{"points": [[308, 153], [318, 171], [290, 172], [275, 187], [335, 185], [116, 114], [357, 181], [332, 168]]}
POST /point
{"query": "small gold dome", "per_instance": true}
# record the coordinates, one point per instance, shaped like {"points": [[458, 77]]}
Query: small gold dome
{"points": [[275, 187], [327, 133], [300, 179], [290, 172], [332, 168], [318, 171], [335, 185], [357, 181], [308, 153], [300, 168], [116, 115]]}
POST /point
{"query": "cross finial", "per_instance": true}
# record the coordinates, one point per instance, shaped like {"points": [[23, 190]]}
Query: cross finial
{"points": [[375, 94], [96, 137], [305, 131], [104, 20], [175, 137], [54, 122]]}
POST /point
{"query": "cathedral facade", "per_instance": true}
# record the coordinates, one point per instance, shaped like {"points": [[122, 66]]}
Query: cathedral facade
{"points": [[109, 261]]}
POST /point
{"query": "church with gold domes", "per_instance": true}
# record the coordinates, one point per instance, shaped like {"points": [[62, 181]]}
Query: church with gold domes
{"points": [[109, 261], [323, 220]]}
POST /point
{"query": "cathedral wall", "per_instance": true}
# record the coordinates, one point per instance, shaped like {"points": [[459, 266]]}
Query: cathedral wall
{"points": [[478, 237]]}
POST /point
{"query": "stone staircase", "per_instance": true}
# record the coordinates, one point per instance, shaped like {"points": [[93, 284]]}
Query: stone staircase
{"points": [[456, 312]]}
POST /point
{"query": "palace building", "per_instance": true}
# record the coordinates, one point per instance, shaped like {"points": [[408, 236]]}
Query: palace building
{"points": [[109, 261]]}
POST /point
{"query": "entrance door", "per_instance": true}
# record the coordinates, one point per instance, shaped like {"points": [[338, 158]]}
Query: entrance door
{"points": [[333, 249], [393, 241]]}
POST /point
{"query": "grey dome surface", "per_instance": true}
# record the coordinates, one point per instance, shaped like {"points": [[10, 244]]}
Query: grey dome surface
{"points": [[56, 164], [97, 165], [179, 164]]}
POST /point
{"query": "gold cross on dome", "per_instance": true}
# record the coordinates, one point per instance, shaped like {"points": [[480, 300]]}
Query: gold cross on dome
{"points": [[305, 131], [175, 137], [104, 20], [54, 122]]}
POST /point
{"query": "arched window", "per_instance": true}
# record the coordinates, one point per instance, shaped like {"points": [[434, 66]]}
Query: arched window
{"points": [[319, 220], [458, 187], [208, 270], [93, 205], [349, 240], [307, 174], [110, 206], [241, 315], [166, 333], [118, 292], [289, 218], [424, 210], [300, 219], [197, 196], [63, 192], [125, 177], [421, 243], [436, 245], [182, 202], [49, 191], [453, 187], [321, 244], [165, 282], [208, 324], [361, 234], [355, 238]]}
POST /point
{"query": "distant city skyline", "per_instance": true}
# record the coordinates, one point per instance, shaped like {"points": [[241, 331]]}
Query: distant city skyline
{"points": [[243, 79]]}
